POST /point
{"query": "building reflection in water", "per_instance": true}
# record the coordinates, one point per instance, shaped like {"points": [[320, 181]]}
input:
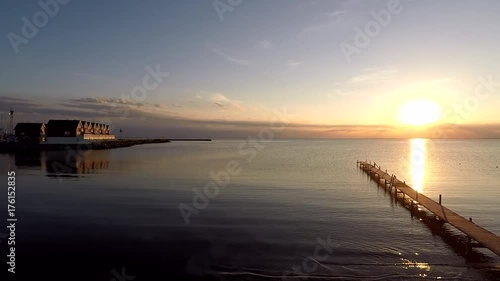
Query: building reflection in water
{"points": [[418, 159], [60, 163], [32, 159], [64, 163]]}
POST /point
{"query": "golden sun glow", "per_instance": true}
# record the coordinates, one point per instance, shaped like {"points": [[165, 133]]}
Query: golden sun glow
{"points": [[418, 159], [420, 113]]}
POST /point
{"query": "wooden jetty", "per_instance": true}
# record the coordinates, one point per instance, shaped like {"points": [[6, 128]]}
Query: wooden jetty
{"points": [[483, 237]]}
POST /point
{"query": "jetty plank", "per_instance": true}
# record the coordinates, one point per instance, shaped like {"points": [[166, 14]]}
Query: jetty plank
{"points": [[484, 237]]}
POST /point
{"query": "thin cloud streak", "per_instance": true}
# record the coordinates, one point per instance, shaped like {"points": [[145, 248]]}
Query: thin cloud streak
{"points": [[230, 58], [371, 75], [293, 64]]}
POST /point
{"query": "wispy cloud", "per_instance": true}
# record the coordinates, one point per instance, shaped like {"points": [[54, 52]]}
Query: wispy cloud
{"points": [[226, 56], [318, 28], [235, 105], [435, 81], [293, 64], [337, 15], [264, 45], [220, 104], [219, 97], [373, 75], [223, 102], [325, 23]]}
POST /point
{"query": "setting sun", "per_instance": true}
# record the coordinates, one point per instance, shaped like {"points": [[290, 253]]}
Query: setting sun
{"points": [[419, 113]]}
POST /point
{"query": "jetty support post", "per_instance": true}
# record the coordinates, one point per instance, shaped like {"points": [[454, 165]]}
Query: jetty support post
{"points": [[468, 246], [411, 207], [439, 199]]}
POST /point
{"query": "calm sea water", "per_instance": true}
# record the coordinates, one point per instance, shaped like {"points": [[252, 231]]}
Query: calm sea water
{"points": [[117, 211]]}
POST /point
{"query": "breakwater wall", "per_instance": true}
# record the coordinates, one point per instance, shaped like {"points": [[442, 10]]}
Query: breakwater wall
{"points": [[97, 145]]}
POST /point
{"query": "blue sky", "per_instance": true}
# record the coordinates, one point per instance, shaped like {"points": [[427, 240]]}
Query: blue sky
{"points": [[263, 56]]}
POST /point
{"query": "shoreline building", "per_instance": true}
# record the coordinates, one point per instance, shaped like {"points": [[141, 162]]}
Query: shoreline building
{"points": [[76, 132], [31, 133]]}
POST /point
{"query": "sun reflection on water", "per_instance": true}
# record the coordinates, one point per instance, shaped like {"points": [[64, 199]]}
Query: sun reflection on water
{"points": [[418, 159], [413, 264]]}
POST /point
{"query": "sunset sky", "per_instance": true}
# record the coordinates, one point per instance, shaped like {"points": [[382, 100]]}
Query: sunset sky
{"points": [[228, 72]]}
